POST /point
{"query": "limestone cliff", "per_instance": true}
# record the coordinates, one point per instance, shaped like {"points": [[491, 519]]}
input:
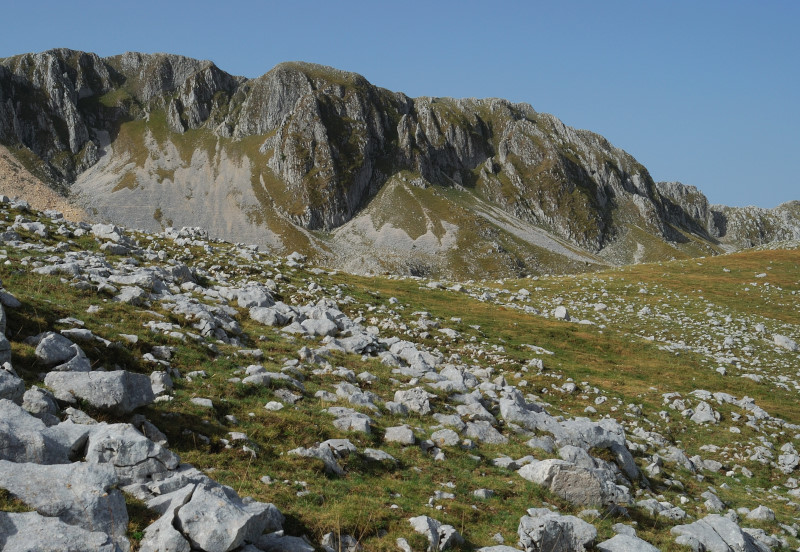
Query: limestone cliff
{"points": [[295, 158], [733, 226]]}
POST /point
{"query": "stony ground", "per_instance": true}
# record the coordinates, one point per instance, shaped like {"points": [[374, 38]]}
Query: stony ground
{"points": [[194, 394]]}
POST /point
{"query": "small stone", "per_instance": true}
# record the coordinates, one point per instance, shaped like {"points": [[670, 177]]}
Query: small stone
{"points": [[399, 434], [199, 401]]}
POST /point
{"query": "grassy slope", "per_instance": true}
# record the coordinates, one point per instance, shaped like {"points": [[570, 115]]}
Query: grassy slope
{"points": [[625, 367]]}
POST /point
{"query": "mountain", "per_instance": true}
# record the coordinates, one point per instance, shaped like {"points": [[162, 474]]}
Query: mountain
{"points": [[319, 160]]}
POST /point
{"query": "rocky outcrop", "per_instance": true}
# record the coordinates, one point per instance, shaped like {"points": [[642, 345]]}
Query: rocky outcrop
{"points": [[42, 107], [739, 227]]}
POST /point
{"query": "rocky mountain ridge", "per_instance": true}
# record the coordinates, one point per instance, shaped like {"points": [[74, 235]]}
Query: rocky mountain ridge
{"points": [[295, 158]]}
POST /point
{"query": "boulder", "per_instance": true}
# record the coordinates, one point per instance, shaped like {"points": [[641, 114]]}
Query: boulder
{"points": [[422, 361], [662, 509], [353, 422], [378, 455], [712, 502], [440, 537], [41, 403], [12, 387], [762, 513], [325, 454], [340, 447], [254, 296], [5, 349], [331, 542], [705, 414], [119, 391], [78, 363], [108, 232], [78, 494], [54, 349], [24, 438], [279, 542], [605, 434], [358, 343], [561, 313], [161, 383], [268, 316], [132, 295], [785, 343], [215, 519], [545, 531], [8, 300], [400, 434], [578, 485], [475, 411], [483, 432], [445, 438], [162, 535], [319, 327], [626, 543], [135, 458], [715, 533]]}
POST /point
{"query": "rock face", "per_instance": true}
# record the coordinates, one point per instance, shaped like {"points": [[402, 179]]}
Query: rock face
{"points": [[315, 148], [739, 226]]}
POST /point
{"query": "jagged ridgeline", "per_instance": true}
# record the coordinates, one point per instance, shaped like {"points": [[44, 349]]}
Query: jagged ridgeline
{"points": [[315, 159]]}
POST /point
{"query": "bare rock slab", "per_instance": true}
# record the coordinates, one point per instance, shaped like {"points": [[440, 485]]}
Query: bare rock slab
{"points": [[32, 532]]}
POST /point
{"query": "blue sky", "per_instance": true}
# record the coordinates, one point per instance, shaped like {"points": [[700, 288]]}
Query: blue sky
{"points": [[705, 92]]}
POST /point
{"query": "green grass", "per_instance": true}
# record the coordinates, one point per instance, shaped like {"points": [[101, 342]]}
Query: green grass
{"points": [[9, 503]]}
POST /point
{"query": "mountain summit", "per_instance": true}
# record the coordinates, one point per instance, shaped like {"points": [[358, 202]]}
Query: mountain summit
{"points": [[319, 160]]}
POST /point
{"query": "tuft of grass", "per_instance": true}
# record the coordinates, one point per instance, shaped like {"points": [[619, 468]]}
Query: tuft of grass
{"points": [[10, 503]]}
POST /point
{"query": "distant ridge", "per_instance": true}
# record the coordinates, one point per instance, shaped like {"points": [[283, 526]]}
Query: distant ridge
{"points": [[318, 160]]}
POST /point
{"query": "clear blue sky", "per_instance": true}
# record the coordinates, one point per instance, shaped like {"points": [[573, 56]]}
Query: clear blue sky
{"points": [[705, 92]]}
